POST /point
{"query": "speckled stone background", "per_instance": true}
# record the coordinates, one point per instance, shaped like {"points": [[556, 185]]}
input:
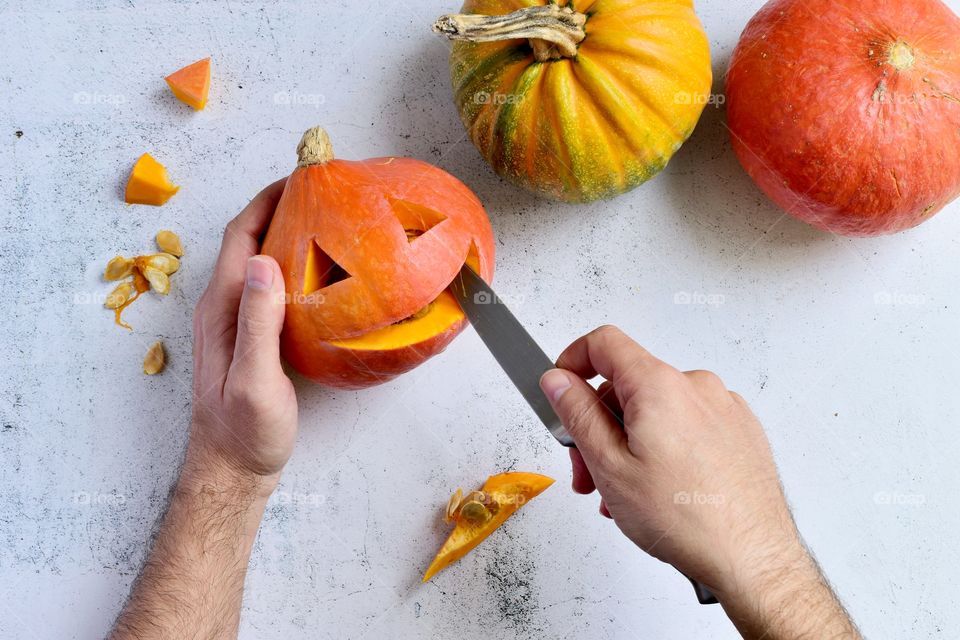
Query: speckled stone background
{"points": [[847, 349]]}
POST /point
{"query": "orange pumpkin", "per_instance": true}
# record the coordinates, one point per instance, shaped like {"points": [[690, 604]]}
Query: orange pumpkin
{"points": [[578, 99], [367, 249], [847, 113]]}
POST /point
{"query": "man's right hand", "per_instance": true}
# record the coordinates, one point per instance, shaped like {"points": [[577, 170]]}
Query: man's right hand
{"points": [[691, 480]]}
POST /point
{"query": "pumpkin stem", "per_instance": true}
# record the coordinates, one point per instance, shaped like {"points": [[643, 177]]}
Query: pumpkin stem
{"points": [[553, 31], [314, 148], [902, 56]]}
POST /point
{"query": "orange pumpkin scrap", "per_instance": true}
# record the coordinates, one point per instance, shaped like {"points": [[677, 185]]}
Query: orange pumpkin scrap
{"points": [[148, 183], [480, 513], [367, 249], [192, 83]]}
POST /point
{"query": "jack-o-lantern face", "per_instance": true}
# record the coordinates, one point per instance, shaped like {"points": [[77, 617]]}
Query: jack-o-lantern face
{"points": [[367, 250]]}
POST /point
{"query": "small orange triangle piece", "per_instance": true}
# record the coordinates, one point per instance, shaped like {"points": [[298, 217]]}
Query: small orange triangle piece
{"points": [[192, 83]]}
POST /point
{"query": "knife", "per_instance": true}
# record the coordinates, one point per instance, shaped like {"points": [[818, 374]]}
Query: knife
{"points": [[522, 359]]}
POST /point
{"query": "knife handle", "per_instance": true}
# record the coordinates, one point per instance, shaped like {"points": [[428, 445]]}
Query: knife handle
{"points": [[704, 595]]}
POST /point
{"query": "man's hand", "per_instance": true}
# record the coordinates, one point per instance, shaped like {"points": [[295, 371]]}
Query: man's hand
{"points": [[243, 431], [691, 480], [244, 407]]}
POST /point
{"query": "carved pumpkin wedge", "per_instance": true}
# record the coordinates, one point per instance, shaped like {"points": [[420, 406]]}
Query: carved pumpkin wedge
{"points": [[367, 249], [480, 513]]}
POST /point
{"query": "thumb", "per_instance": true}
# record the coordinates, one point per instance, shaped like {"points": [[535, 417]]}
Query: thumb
{"points": [[257, 350], [597, 434]]}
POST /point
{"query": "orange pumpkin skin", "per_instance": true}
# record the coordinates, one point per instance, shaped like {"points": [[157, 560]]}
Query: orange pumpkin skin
{"points": [[352, 217], [847, 113]]}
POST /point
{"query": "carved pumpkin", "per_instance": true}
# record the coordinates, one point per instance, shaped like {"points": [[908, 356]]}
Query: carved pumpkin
{"points": [[367, 249], [578, 100]]}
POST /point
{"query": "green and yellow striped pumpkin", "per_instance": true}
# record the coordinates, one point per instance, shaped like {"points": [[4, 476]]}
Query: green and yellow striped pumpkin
{"points": [[578, 100]]}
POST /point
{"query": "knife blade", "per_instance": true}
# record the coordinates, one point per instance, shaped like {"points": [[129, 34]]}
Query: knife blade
{"points": [[520, 356], [522, 359]]}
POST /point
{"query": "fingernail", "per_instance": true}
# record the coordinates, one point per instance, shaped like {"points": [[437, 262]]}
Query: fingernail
{"points": [[555, 383], [259, 273]]}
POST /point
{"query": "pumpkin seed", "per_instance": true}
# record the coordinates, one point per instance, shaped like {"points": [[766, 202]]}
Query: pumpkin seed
{"points": [[118, 268], [155, 360], [169, 242], [453, 505], [486, 499], [476, 496], [158, 280], [474, 512], [162, 261], [122, 294]]}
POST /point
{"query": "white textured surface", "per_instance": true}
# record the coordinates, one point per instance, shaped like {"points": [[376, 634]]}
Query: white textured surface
{"points": [[859, 397]]}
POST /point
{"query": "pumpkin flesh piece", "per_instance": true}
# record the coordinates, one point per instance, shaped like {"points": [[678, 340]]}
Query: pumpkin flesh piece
{"points": [[191, 84], [511, 491], [148, 183], [441, 314]]}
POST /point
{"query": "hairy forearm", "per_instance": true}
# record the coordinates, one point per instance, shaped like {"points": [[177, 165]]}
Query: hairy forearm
{"points": [[191, 585], [789, 600]]}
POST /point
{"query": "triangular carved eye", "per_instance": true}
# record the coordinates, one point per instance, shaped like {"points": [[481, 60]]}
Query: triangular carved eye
{"points": [[473, 256], [416, 219], [321, 270]]}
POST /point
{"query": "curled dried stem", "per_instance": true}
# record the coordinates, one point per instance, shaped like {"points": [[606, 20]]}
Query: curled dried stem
{"points": [[553, 31]]}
